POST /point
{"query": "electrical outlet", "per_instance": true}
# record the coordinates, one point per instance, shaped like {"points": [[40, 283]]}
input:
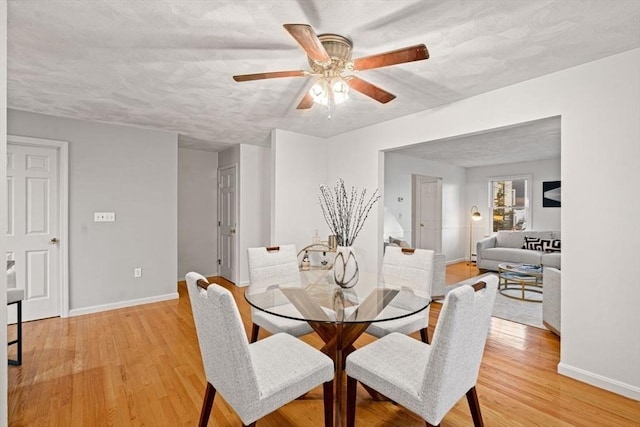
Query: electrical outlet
{"points": [[137, 272]]}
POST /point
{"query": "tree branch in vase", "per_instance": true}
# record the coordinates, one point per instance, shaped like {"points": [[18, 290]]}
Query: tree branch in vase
{"points": [[345, 212]]}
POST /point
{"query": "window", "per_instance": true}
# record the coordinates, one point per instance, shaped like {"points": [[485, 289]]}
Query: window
{"points": [[509, 203]]}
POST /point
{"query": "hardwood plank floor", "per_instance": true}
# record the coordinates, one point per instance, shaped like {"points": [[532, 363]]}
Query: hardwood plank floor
{"points": [[141, 366]]}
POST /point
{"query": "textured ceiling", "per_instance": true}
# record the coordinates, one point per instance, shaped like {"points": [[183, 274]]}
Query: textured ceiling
{"points": [[535, 140], [168, 64]]}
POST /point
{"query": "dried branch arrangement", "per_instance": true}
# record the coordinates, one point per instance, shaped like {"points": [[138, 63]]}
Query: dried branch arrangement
{"points": [[345, 212]]}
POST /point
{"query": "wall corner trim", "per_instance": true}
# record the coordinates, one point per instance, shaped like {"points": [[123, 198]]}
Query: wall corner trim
{"points": [[121, 304], [600, 381]]}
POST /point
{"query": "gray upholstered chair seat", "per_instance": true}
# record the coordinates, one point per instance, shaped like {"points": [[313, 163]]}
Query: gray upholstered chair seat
{"points": [[405, 325], [275, 324], [394, 367], [283, 379]]}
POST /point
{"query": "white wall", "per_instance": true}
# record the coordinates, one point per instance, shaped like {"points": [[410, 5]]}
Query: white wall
{"points": [[3, 213], [600, 160], [129, 171], [254, 198], [197, 212], [398, 171], [540, 171], [300, 167]]}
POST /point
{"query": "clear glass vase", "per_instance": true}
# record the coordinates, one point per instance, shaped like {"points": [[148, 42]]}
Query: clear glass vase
{"points": [[345, 267]]}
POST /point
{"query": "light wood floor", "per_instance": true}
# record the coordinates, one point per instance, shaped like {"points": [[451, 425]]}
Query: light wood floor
{"points": [[141, 366]]}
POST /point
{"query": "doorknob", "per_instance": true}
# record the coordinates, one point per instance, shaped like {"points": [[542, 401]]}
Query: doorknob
{"points": [[54, 240], [421, 225], [232, 231]]}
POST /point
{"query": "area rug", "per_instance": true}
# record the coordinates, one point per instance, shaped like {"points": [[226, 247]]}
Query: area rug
{"points": [[524, 312]]}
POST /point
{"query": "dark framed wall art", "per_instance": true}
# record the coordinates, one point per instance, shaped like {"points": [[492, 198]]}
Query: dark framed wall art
{"points": [[551, 194]]}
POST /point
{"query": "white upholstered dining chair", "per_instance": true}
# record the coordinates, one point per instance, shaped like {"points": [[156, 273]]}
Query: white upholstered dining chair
{"points": [[272, 266], [254, 379], [15, 296], [430, 379], [408, 268]]}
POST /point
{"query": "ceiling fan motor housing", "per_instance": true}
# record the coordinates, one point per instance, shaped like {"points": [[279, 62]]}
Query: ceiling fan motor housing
{"points": [[339, 49]]}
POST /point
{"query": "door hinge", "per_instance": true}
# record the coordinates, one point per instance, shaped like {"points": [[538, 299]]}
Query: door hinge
{"points": [[219, 223], [219, 262]]}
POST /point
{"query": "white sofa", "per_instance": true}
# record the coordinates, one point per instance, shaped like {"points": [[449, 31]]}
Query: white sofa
{"points": [[507, 246]]}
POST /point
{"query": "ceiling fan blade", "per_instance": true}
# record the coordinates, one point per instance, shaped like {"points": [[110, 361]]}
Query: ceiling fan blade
{"points": [[306, 102], [309, 41], [399, 56], [271, 75], [371, 90]]}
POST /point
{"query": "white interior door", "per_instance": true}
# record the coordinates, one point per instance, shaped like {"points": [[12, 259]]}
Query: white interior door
{"points": [[227, 222], [33, 227], [428, 213]]}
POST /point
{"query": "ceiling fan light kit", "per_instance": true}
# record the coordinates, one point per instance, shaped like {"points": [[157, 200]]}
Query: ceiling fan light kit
{"points": [[327, 91], [330, 61]]}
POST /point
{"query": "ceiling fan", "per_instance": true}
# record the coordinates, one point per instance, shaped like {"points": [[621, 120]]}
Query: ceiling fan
{"points": [[330, 60]]}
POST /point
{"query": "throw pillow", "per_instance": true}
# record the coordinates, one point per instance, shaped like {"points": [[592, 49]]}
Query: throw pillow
{"points": [[552, 245], [543, 245], [398, 242], [532, 243]]}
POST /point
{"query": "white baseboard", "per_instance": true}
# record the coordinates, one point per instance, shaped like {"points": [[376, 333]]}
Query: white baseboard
{"points": [[243, 284], [455, 261], [121, 304], [599, 381]]}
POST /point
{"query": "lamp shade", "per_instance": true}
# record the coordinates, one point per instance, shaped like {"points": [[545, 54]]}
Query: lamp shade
{"points": [[475, 215]]}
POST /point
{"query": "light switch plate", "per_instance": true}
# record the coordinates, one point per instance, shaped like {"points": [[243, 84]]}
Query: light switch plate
{"points": [[104, 217]]}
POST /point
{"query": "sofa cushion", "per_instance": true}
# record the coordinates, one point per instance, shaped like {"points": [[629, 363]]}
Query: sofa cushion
{"points": [[551, 259], [515, 239], [512, 255]]}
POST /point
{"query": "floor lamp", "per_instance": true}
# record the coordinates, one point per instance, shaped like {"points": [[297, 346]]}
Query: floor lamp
{"points": [[475, 216]]}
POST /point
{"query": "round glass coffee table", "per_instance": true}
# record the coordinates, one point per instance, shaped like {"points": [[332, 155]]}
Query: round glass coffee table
{"points": [[520, 281]]}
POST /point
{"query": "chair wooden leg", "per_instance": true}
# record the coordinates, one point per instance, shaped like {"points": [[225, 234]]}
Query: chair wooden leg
{"points": [[207, 404], [352, 385], [254, 333], [474, 405], [18, 360], [327, 391], [424, 334]]}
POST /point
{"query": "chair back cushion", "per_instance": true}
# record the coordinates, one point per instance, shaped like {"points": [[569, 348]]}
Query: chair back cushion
{"points": [[273, 267], [223, 343], [406, 269], [458, 345]]}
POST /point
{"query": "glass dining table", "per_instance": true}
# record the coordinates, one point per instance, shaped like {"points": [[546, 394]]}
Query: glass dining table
{"points": [[339, 315]]}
